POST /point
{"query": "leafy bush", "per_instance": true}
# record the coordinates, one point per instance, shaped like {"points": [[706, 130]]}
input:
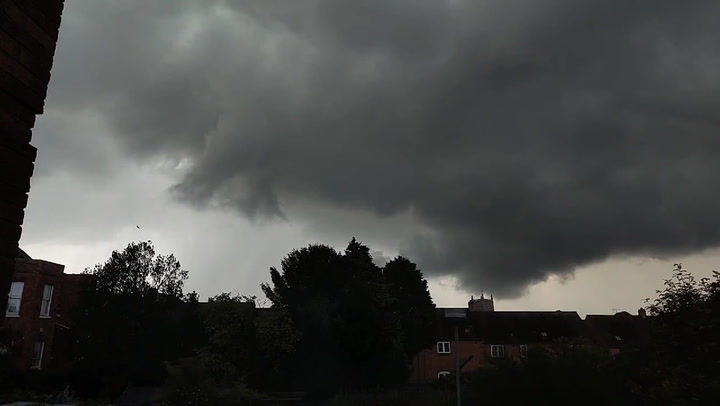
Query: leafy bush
{"points": [[190, 383]]}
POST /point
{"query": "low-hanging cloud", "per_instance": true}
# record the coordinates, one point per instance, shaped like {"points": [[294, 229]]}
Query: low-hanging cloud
{"points": [[526, 137]]}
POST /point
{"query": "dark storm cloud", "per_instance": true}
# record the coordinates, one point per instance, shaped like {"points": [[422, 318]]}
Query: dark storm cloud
{"points": [[526, 137]]}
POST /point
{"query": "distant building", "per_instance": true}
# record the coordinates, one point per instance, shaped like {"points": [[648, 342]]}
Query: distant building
{"points": [[617, 331], [486, 335], [36, 329], [482, 304]]}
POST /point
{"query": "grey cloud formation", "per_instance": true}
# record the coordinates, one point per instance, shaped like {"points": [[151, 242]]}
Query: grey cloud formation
{"points": [[523, 138]]}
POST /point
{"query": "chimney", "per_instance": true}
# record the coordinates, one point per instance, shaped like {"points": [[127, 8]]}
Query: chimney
{"points": [[642, 312]]}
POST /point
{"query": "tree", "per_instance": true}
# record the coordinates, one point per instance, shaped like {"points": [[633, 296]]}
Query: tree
{"points": [[373, 339], [231, 342], [139, 271], [561, 373], [351, 336], [277, 341], [684, 351], [133, 320], [412, 303]]}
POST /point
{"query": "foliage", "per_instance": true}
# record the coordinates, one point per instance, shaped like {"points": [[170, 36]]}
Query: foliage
{"points": [[682, 358], [136, 318], [351, 334], [190, 383], [139, 271], [412, 303], [277, 340], [230, 329], [683, 295]]}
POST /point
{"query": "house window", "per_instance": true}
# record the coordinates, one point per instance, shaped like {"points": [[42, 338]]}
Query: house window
{"points": [[443, 374], [497, 351], [46, 301], [37, 355], [443, 347], [523, 351], [14, 298]]}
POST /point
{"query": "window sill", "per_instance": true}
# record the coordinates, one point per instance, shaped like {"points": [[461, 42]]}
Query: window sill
{"points": [[46, 317], [12, 315]]}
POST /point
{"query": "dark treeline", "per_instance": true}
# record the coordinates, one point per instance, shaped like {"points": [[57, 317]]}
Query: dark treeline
{"points": [[345, 330], [337, 322]]}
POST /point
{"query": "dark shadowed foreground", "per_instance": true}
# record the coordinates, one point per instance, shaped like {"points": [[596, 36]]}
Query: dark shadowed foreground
{"points": [[343, 331]]}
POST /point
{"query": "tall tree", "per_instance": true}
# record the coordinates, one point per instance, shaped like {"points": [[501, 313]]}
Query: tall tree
{"points": [[338, 302], [131, 322], [373, 339], [412, 303]]}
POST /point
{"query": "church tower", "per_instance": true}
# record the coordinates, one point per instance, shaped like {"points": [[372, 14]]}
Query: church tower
{"points": [[482, 304]]}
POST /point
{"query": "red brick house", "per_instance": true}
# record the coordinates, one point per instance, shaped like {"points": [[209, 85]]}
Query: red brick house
{"points": [[35, 332], [486, 335]]}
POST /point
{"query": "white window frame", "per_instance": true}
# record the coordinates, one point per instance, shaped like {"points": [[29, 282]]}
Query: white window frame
{"points": [[443, 374], [15, 294], [497, 351], [523, 350], [45, 311], [36, 362], [443, 347]]}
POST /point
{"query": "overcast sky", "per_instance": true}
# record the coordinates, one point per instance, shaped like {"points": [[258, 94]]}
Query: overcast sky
{"points": [[557, 154]]}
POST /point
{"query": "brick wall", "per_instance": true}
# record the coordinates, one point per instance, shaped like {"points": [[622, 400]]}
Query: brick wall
{"points": [[428, 362], [29, 326], [28, 35]]}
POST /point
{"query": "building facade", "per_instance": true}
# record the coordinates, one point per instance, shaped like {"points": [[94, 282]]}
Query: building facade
{"points": [[28, 36], [487, 336], [38, 318]]}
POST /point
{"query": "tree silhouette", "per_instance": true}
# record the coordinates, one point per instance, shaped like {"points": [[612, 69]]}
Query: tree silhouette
{"points": [[412, 303], [135, 319], [351, 335], [138, 270]]}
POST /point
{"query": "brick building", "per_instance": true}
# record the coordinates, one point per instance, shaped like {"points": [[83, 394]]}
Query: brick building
{"points": [[486, 335], [28, 36], [36, 329]]}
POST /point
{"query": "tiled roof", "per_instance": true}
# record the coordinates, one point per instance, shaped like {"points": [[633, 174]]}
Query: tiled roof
{"points": [[513, 326], [22, 254], [616, 330]]}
